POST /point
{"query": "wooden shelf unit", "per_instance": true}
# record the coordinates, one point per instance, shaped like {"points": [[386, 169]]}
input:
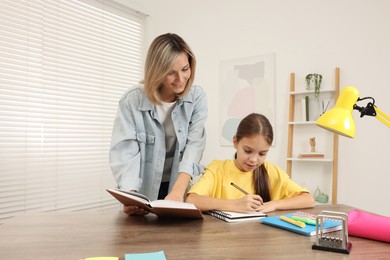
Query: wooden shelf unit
{"points": [[292, 125]]}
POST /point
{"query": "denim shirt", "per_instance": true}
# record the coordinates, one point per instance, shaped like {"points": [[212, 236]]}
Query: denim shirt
{"points": [[137, 152]]}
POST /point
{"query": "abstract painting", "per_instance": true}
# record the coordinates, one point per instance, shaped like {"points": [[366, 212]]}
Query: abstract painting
{"points": [[247, 85]]}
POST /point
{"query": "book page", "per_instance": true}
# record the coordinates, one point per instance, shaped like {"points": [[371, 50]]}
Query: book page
{"points": [[172, 204], [130, 198], [231, 214], [137, 196]]}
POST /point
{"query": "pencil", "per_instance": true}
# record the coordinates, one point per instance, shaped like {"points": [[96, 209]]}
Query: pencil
{"points": [[242, 190], [238, 188]]}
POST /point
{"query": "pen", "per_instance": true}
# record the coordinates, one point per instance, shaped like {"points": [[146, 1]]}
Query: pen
{"points": [[242, 190], [294, 222]]}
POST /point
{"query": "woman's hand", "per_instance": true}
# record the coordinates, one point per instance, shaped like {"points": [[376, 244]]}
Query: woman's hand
{"points": [[134, 210], [178, 190], [175, 195]]}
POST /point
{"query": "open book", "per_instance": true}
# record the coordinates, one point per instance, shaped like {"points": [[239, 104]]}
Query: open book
{"points": [[230, 216], [162, 208]]}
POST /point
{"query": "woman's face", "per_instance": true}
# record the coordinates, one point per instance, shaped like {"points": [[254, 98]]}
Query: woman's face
{"points": [[176, 79], [251, 152]]}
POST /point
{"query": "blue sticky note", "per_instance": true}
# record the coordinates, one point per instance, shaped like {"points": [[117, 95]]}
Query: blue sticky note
{"points": [[146, 256]]}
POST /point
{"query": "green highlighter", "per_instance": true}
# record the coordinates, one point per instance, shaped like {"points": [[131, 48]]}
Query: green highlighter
{"points": [[309, 221]]}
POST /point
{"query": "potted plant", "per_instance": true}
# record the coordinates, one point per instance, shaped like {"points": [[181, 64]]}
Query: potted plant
{"points": [[313, 81]]}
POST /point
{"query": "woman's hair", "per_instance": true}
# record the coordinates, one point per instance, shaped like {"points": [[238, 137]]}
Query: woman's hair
{"points": [[251, 125], [160, 59]]}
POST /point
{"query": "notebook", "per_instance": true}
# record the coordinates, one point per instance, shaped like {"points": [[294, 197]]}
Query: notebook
{"points": [[230, 216], [309, 230]]}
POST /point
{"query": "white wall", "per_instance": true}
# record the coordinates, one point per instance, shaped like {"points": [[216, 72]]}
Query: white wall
{"points": [[307, 36]]}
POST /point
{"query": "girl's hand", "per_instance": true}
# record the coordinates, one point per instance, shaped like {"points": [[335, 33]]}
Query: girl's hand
{"points": [[267, 207], [248, 203], [303, 200], [134, 210]]}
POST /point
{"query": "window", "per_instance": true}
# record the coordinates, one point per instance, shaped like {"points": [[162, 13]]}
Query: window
{"points": [[63, 67]]}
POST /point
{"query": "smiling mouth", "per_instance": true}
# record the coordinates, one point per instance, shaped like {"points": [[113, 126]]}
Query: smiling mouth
{"points": [[178, 86]]}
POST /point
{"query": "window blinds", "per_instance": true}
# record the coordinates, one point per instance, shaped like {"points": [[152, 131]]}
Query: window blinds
{"points": [[64, 65]]}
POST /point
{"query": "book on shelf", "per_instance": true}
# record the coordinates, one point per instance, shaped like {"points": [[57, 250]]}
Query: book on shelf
{"points": [[305, 109], [311, 155], [162, 208], [230, 216], [329, 225]]}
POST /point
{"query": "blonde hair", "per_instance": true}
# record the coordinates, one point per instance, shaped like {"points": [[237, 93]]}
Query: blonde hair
{"points": [[160, 58]]}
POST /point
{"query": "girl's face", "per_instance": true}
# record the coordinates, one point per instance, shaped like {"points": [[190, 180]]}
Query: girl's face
{"points": [[176, 79], [251, 152]]}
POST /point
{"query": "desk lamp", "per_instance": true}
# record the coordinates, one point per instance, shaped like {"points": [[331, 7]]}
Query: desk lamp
{"points": [[339, 119]]}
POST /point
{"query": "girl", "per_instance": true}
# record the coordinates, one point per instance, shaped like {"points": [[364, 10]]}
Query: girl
{"points": [[159, 136], [267, 187]]}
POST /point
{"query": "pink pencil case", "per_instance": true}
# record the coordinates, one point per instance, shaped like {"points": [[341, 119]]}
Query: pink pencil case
{"points": [[369, 225]]}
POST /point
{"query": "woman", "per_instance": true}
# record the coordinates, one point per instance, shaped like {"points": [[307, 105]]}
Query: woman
{"points": [[159, 135]]}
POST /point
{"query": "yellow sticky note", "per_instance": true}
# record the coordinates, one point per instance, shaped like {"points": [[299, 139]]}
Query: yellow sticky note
{"points": [[102, 258]]}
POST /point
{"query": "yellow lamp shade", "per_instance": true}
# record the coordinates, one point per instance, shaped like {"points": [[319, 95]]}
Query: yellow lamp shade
{"points": [[339, 119]]}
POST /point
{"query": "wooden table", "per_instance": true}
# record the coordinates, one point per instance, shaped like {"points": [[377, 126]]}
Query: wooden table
{"points": [[77, 235]]}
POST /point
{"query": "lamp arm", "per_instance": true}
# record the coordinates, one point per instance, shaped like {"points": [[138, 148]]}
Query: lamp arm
{"points": [[368, 110], [381, 116], [372, 110]]}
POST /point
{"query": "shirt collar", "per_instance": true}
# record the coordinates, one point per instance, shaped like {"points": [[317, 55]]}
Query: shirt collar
{"points": [[146, 105]]}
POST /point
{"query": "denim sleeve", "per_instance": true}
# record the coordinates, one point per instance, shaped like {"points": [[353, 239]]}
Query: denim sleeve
{"points": [[124, 152]]}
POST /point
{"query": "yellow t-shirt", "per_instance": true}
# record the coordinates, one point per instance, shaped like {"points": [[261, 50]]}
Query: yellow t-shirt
{"points": [[218, 176]]}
